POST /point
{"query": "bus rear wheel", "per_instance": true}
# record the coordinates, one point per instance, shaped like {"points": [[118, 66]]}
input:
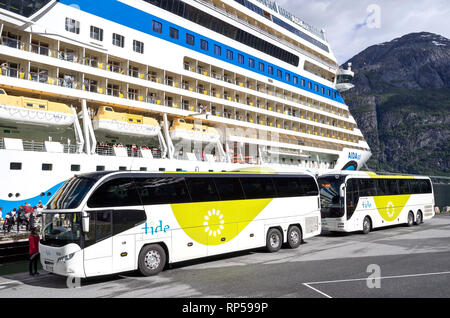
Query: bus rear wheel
{"points": [[152, 260], [419, 218], [294, 236], [274, 240], [367, 225]]}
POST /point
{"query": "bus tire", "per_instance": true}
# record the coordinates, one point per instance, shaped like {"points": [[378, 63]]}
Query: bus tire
{"points": [[294, 236], [274, 240], [152, 260], [410, 221], [419, 218], [367, 225]]}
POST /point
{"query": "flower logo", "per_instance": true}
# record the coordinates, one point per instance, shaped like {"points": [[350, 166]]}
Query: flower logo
{"points": [[390, 209], [214, 223]]}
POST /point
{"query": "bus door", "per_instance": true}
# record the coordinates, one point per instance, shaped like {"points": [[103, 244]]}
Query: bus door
{"points": [[125, 223], [351, 197], [98, 243]]}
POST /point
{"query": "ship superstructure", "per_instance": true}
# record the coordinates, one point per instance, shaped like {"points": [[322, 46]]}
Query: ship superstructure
{"points": [[193, 85]]}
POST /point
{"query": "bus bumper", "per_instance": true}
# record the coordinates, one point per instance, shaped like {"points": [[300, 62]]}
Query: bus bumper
{"points": [[333, 224], [65, 260]]}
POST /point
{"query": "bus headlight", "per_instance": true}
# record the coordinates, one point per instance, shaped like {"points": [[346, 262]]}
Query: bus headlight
{"points": [[65, 258]]}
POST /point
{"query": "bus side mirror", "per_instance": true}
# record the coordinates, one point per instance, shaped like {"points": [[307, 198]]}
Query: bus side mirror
{"points": [[342, 191], [85, 221]]}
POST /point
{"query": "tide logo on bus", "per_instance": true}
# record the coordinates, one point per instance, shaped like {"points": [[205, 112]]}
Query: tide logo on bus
{"points": [[391, 206], [154, 230], [218, 222]]}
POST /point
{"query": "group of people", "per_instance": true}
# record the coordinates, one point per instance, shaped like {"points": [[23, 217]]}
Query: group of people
{"points": [[25, 215], [28, 215]]}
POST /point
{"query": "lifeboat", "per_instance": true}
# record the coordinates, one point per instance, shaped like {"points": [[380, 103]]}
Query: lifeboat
{"points": [[107, 120], [180, 130], [20, 109]]}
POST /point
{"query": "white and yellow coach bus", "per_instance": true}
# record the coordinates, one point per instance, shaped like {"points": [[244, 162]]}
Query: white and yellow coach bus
{"points": [[362, 201], [109, 222]]}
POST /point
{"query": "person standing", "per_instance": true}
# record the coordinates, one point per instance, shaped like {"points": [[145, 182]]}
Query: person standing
{"points": [[33, 241]]}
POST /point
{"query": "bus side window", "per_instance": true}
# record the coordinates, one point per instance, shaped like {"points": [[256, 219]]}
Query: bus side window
{"points": [[257, 188], [229, 188], [162, 190], [100, 227], [392, 186], [202, 189], [403, 185], [115, 193]]}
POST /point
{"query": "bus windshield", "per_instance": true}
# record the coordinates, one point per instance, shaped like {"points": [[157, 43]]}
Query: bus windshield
{"points": [[332, 205], [60, 229], [70, 195]]}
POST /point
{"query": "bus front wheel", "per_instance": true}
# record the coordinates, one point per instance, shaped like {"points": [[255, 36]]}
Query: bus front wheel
{"points": [[410, 221], [274, 240], [152, 260], [367, 225]]}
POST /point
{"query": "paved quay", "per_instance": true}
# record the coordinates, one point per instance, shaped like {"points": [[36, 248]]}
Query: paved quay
{"points": [[394, 262]]}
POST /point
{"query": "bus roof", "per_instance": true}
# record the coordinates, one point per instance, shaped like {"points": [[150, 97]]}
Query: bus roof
{"points": [[371, 174]]}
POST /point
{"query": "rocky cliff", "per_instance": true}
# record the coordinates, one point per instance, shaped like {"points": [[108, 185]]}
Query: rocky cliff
{"points": [[402, 103]]}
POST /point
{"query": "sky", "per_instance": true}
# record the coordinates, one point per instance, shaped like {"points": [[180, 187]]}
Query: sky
{"points": [[353, 25]]}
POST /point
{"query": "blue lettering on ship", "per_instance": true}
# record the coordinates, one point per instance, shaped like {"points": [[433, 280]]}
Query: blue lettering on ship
{"points": [[154, 230], [354, 156]]}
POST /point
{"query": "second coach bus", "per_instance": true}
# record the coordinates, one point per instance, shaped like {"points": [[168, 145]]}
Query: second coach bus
{"points": [[362, 201], [109, 222]]}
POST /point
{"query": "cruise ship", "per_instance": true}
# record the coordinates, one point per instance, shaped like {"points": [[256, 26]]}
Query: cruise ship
{"points": [[165, 85]]}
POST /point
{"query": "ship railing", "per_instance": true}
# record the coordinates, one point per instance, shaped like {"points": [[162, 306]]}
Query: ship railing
{"points": [[260, 30], [69, 82]]}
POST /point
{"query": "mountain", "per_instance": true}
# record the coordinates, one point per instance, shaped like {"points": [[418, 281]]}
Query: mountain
{"points": [[401, 102]]}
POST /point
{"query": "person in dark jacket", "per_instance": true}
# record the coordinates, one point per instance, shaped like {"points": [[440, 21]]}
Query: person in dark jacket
{"points": [[33, 241]]}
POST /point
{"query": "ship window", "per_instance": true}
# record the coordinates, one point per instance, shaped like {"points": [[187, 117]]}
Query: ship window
{"points": [[251, 63], [261, 66], [287, 77], [157, 26], [190, 39], [270, 70], [173, 33], [47, 167], [322, 90], [295, 80], [96, 33], [309, 85], [138, 46], [229, 54], [204, 45], [29, 105], [118, 40], [130, 120], [240, 59], [316, 87], [328, 92], [217, 50], [279, 73], [42, 106], [100, 168], [143, 168], [108, 109], [122, 168], [334, 95], [72, 26], [302, 82], [15, 166], [75, 168]]}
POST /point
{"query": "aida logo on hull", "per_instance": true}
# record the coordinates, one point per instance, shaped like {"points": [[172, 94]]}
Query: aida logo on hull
{"points": [[354, 156]]}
